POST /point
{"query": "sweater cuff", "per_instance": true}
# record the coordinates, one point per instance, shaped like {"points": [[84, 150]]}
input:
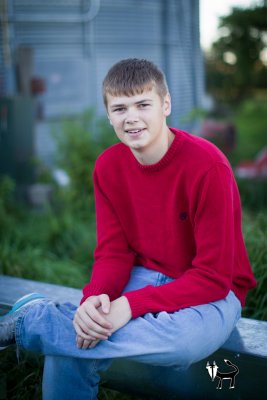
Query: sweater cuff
{"points": [[93, 289]]}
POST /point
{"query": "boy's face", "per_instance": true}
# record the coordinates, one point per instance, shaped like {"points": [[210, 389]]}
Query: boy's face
{"points": [[140, 120]]}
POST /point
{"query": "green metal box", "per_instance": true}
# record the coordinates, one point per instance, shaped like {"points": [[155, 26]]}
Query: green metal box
{"points": [[17, 138]]}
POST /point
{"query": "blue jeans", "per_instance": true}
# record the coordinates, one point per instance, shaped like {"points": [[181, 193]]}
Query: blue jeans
{"points": [[167, 339]]}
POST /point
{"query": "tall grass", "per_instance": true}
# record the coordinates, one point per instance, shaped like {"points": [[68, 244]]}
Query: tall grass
{"points": [[22, 379], [52, 247], [255, 234]]}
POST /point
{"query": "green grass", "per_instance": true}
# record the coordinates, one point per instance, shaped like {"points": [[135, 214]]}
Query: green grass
{"points": [[250, 120], [22, 380], [255, 234]]}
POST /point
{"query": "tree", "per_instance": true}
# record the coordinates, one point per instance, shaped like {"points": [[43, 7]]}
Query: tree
{"points": [[235, 66]]}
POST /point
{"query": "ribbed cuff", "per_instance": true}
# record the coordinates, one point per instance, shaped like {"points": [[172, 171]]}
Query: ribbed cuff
{"points": [[93, 289]]}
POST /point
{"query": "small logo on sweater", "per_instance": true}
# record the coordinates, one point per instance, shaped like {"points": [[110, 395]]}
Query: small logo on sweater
{"points": [[183, 216]]}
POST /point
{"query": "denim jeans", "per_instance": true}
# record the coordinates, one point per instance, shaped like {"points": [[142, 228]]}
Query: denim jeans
{"points": [[168, 339]]}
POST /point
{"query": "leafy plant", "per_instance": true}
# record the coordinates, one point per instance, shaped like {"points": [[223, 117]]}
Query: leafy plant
{"points": [[7, 187], [235, 67], [78, 145], [250, 119]]}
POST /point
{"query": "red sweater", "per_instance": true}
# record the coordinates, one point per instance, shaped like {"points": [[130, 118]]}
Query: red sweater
{"points": [[180, 216]]}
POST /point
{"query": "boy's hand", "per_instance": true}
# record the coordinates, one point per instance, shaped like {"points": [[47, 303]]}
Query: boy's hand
{"points": [[119, 315], [90, 322], [86, 344]]}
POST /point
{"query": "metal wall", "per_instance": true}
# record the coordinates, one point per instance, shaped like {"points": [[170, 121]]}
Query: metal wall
{"points": [[75, 42]]}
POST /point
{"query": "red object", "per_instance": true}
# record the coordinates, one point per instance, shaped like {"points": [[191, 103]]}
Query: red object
{"points": [[180, 216], [223, 134], [253, 169], [37, 86]]}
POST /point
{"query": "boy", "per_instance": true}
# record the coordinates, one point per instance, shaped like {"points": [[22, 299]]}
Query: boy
{"points": [[170, 262]]}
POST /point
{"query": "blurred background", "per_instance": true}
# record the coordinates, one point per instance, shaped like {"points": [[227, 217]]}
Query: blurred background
{"points": [[53, 57]]}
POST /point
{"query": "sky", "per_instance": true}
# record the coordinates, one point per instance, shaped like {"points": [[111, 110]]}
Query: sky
{"points": [[210, 10]]}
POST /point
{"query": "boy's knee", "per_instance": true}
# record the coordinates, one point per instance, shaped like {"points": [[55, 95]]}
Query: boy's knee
{"points": [[178, 356]]}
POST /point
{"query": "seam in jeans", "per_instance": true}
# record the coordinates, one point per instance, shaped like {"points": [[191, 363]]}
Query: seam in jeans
{"points": [[93, 366], [19, 323], [18, 327], [19, 345]]}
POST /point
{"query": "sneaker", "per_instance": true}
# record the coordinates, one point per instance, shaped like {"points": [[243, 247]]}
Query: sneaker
{"points": [[9, 320]]}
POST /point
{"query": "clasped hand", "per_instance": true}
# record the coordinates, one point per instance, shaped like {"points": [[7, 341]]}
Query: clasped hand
{"points": [[98, 318]]}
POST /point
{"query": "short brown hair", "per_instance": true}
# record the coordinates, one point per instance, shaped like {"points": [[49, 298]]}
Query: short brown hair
{"points": [[133, 76]]}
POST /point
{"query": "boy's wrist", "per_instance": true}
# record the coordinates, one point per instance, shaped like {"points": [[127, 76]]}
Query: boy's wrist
{"points": [[126, 305], [120, 313]]}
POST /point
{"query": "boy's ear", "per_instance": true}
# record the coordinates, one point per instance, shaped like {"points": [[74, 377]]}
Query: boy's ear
{"points": [[167, 105]]}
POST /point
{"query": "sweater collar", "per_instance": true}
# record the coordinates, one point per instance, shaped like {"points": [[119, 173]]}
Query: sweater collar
{"points": [[168, 156]]}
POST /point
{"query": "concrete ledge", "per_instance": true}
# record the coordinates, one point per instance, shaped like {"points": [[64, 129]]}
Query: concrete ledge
{"points": [[246, 347]]}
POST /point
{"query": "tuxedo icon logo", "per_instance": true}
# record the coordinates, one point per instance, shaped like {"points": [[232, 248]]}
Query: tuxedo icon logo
{"points": [[214, 372]]}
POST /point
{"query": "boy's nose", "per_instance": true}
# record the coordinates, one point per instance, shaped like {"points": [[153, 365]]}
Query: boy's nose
{"points": [[131, 117]]}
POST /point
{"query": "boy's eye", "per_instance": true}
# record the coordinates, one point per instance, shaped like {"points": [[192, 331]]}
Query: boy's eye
{"points": [[143, 105], [119, 109]]}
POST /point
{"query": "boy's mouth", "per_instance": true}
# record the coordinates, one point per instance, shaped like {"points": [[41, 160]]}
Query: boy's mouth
{"points": [[134, 132]]}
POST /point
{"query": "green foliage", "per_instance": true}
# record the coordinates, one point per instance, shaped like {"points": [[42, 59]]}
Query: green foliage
{"points": [[7, 187], [42, 172], [253, 193], [57, 244], [23, 379], [250, 119], [243, 37], [52, 247], [195, 114], [77, 149], [28, 386], [255, 233]]}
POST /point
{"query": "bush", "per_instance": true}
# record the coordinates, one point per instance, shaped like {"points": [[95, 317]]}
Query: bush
{"points": [[250, 120], [7, 187], [57, 244], [77, 149], [253, 193]]}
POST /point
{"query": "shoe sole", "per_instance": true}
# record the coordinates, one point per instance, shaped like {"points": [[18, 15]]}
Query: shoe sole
{"points": [[21, 303]]}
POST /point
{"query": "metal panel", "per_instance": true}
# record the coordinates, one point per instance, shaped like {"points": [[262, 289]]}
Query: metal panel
{"points": [[5, 50], [185, 70], [16, 137], [2, 66], [75, 42], [130, 22], [56, 34]]}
